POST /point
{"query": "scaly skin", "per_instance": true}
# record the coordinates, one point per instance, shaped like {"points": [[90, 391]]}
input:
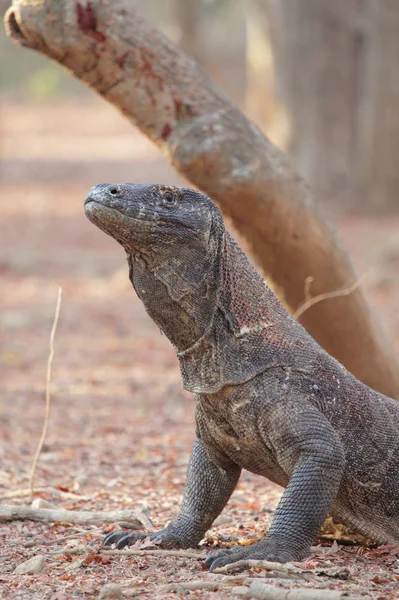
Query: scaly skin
{"points": [[269, 398]]}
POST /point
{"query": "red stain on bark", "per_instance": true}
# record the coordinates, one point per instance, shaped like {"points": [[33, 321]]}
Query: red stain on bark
{"points": [[166, 131], [99, 36], [122, 59], [87, 21], [152, 81], [178, 105]]}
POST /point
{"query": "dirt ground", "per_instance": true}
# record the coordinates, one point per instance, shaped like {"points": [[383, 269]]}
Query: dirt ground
{"points": [[121, 426]]}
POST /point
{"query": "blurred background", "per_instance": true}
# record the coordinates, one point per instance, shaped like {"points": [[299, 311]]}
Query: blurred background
{"points": [[320, 77]]}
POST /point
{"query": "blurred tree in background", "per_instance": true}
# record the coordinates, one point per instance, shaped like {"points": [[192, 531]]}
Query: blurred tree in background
{"points": [[336, 75], [320, 77]]}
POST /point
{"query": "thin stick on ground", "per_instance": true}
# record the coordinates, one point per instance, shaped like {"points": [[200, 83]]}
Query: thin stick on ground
{"points": [[263, 591], [214, 586], [186, 554], [135, 517], [309, 301], [39, 490], [48, 394], [149, 552], [182, 586], [287, 568]]}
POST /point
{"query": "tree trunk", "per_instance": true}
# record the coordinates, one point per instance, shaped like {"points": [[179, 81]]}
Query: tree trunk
{"points": [[336, 74], [188, 17], [262, 105], [378, 120], [260, 96], [107, 45], [315, 67]]}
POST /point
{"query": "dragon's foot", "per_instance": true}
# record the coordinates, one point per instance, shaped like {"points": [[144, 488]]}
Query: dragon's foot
{"points": [[262, 550], [169, 537]]}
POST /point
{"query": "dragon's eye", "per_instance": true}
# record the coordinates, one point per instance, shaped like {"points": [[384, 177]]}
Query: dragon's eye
{"points": [[169, 197]]}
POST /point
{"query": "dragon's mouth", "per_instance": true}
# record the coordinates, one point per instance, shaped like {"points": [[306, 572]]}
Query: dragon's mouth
{"points": [[97, 206], [95, 203], [98, 202], [114, 222], [94, 210]]}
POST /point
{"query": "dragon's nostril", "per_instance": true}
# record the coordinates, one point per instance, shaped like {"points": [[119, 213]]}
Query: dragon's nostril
{"points": [[114, 190]]}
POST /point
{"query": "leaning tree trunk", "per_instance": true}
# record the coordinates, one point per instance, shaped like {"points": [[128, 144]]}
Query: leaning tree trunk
{"points": [[107, 45]]}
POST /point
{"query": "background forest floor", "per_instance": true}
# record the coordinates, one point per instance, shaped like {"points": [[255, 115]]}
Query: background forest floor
{"points": [[121, 426]]}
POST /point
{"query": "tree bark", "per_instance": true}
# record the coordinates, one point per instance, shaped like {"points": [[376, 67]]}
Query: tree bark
{"points": [[261, 103], [314, 46], [108, 46], [188, 16], [378, 118], [336, 75]]}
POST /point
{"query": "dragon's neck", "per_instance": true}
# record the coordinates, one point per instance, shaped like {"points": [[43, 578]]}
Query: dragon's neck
{"points": [[226, 325], [250, 330], [183, 317]]}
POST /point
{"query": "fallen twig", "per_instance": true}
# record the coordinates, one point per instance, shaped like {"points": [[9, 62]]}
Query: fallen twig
{"points": [[48, 393], [40, 490], [83, 517], [77, 533], [287, 568], [210, 586], [258, 589], [201, 584], [263, 591], [200, 556], [145, 552]]}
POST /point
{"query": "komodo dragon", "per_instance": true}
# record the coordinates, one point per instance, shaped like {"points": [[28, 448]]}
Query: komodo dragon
{"points": [[269, 399]]}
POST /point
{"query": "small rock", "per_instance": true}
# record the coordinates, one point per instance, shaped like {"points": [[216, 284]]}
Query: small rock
{"points": [[110, 591], [32, 566], [80, 481], [41, 503]]}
